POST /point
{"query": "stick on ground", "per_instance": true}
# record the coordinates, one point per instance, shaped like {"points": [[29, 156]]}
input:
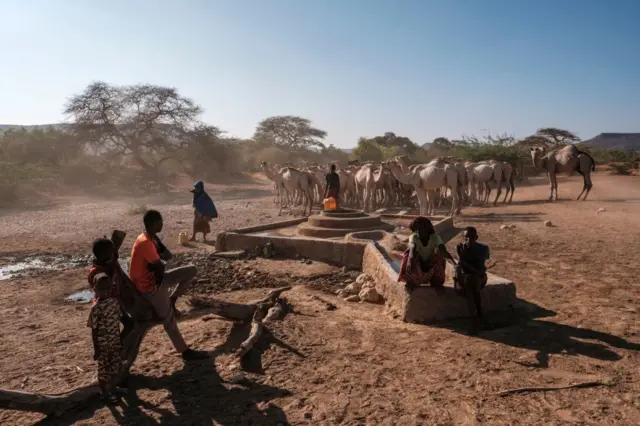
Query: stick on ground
{"points": [[551, 388]]}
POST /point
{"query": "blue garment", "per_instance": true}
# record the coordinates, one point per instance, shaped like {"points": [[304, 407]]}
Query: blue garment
{"points": [[202, 202]]}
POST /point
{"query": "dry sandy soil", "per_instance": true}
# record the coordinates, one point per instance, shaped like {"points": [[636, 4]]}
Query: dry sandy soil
{"points": [[352, 365]]}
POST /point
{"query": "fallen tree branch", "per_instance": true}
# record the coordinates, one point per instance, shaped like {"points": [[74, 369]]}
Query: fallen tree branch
{"points": [[53, 404], [552, 388], [254, 334], [48, 404], [274, 313]]}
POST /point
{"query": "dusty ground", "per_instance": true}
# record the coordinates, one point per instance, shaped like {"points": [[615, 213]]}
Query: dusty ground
{"points": [[353, 365]]}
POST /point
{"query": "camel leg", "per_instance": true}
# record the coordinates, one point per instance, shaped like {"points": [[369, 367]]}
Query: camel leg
{"points": [[506, 194], [589, 186], [423, 200], [555, 186], [513, 189], [551, 177], [495, 202]]}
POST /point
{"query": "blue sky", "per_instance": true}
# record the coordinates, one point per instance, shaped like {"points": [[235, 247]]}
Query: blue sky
{"points": [[421, 69]]}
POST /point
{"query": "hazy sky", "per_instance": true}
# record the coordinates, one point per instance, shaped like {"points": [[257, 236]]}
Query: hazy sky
{"points": [[419, 68]]}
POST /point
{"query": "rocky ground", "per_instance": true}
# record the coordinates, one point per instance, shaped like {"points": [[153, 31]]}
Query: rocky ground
{"points": [[350, 365]]}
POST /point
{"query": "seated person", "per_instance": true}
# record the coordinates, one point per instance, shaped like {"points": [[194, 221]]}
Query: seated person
{"points": [[471, 273], [424, 260]]}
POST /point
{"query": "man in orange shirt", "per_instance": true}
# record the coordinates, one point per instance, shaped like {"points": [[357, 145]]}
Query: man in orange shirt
{"points": [[147, 271]]}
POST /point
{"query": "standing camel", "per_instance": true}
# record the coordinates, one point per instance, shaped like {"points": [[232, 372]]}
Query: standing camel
{"points": [[366, 181], [294, 180], [275, 178], [425, 179], [564, 160]]}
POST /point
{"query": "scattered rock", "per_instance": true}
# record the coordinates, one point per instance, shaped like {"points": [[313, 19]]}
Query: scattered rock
{"points": [[353, 298], [369, 294], [601, 210], [362, 278], [548, 223], [503, 227], [344, 270], [353, 288]]}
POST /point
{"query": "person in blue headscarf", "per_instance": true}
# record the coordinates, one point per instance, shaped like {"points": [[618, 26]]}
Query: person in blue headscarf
{"points": [[204, 211]]}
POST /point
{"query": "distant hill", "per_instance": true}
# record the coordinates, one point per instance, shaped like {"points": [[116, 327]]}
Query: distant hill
{"points": [[629, 142], [57, 126]]}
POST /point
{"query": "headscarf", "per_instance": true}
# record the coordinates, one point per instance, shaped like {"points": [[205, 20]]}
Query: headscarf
{"points": [[420, 222], [202, 202]]}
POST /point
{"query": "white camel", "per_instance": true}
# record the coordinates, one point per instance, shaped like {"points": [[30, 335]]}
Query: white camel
{"points": [[426, 179]]}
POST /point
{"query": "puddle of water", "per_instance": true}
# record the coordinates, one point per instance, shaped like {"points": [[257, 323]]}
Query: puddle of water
{"points": [[83, 296], [51, 263], [8, 271]]}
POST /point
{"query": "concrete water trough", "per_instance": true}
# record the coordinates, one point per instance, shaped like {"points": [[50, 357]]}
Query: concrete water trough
{"points": [[369, 244]]}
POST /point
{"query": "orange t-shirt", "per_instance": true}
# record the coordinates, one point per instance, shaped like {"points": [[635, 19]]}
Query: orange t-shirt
{"points": [[144, 252]]}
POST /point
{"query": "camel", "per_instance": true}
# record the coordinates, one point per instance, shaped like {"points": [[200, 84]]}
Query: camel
{"points": [[366, 181], [479, 174], [564, 160], [508, 177], [275, 178], [425, 179], [294, 180]]}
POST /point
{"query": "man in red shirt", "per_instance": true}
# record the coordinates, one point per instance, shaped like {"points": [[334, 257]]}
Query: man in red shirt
{"points": [[147, 271]]}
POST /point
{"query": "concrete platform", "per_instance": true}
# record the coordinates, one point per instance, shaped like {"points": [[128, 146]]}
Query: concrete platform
{"points": [[374, 252], [424, 305]]}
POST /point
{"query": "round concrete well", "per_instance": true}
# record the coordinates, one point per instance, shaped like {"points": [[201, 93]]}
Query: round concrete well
{"points": [[332, 224]]}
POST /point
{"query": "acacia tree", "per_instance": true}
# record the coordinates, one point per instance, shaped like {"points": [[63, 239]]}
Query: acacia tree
{"points": [[289, 132], [150, 123], [557, 137]]}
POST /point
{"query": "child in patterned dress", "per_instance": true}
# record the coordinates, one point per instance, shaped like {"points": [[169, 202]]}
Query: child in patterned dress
{"points": [[104, 321]]}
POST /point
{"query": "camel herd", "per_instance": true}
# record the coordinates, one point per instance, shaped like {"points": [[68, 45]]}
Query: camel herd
{"points": [[397, 183]]}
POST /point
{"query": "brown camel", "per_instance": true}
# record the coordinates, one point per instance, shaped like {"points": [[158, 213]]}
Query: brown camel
{"points": [[564, 160]]}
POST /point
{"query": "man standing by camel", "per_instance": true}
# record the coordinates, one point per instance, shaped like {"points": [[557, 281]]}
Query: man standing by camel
{"points": [[332, 186], [147, 271]]}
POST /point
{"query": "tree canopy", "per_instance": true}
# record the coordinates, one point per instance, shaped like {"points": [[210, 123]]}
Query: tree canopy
{"points": [[290, 132]]}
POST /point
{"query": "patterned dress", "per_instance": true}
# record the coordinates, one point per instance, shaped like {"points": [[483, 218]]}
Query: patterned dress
{"points": [[104, 318]]}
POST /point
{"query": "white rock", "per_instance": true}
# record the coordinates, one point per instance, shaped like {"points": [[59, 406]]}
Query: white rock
{"points": [[601, 209], [368, 284], [548, 223], [503, 227], [512, 226], [370, 295], [362, 278], [353, 298], [353, 288]]}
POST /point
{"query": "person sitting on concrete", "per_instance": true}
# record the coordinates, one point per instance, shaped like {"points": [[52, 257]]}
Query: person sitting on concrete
{"points": [[332, 186], [424, 260], [147, 271], [471, 273]]}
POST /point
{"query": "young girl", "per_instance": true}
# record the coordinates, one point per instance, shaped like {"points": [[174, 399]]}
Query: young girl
{"points": [[104, 321], [424, 260]]}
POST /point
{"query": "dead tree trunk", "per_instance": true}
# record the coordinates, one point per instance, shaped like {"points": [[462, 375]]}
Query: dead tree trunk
{"points": [[53, 404]]}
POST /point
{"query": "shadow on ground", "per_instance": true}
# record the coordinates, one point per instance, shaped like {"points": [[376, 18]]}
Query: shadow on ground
{"points": [[524, 328], [199, 395], [503, 217]]}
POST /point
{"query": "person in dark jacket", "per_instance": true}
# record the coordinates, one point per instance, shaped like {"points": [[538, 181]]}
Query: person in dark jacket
{"points": [[204, 211], [332, 186], [471, 273]]}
